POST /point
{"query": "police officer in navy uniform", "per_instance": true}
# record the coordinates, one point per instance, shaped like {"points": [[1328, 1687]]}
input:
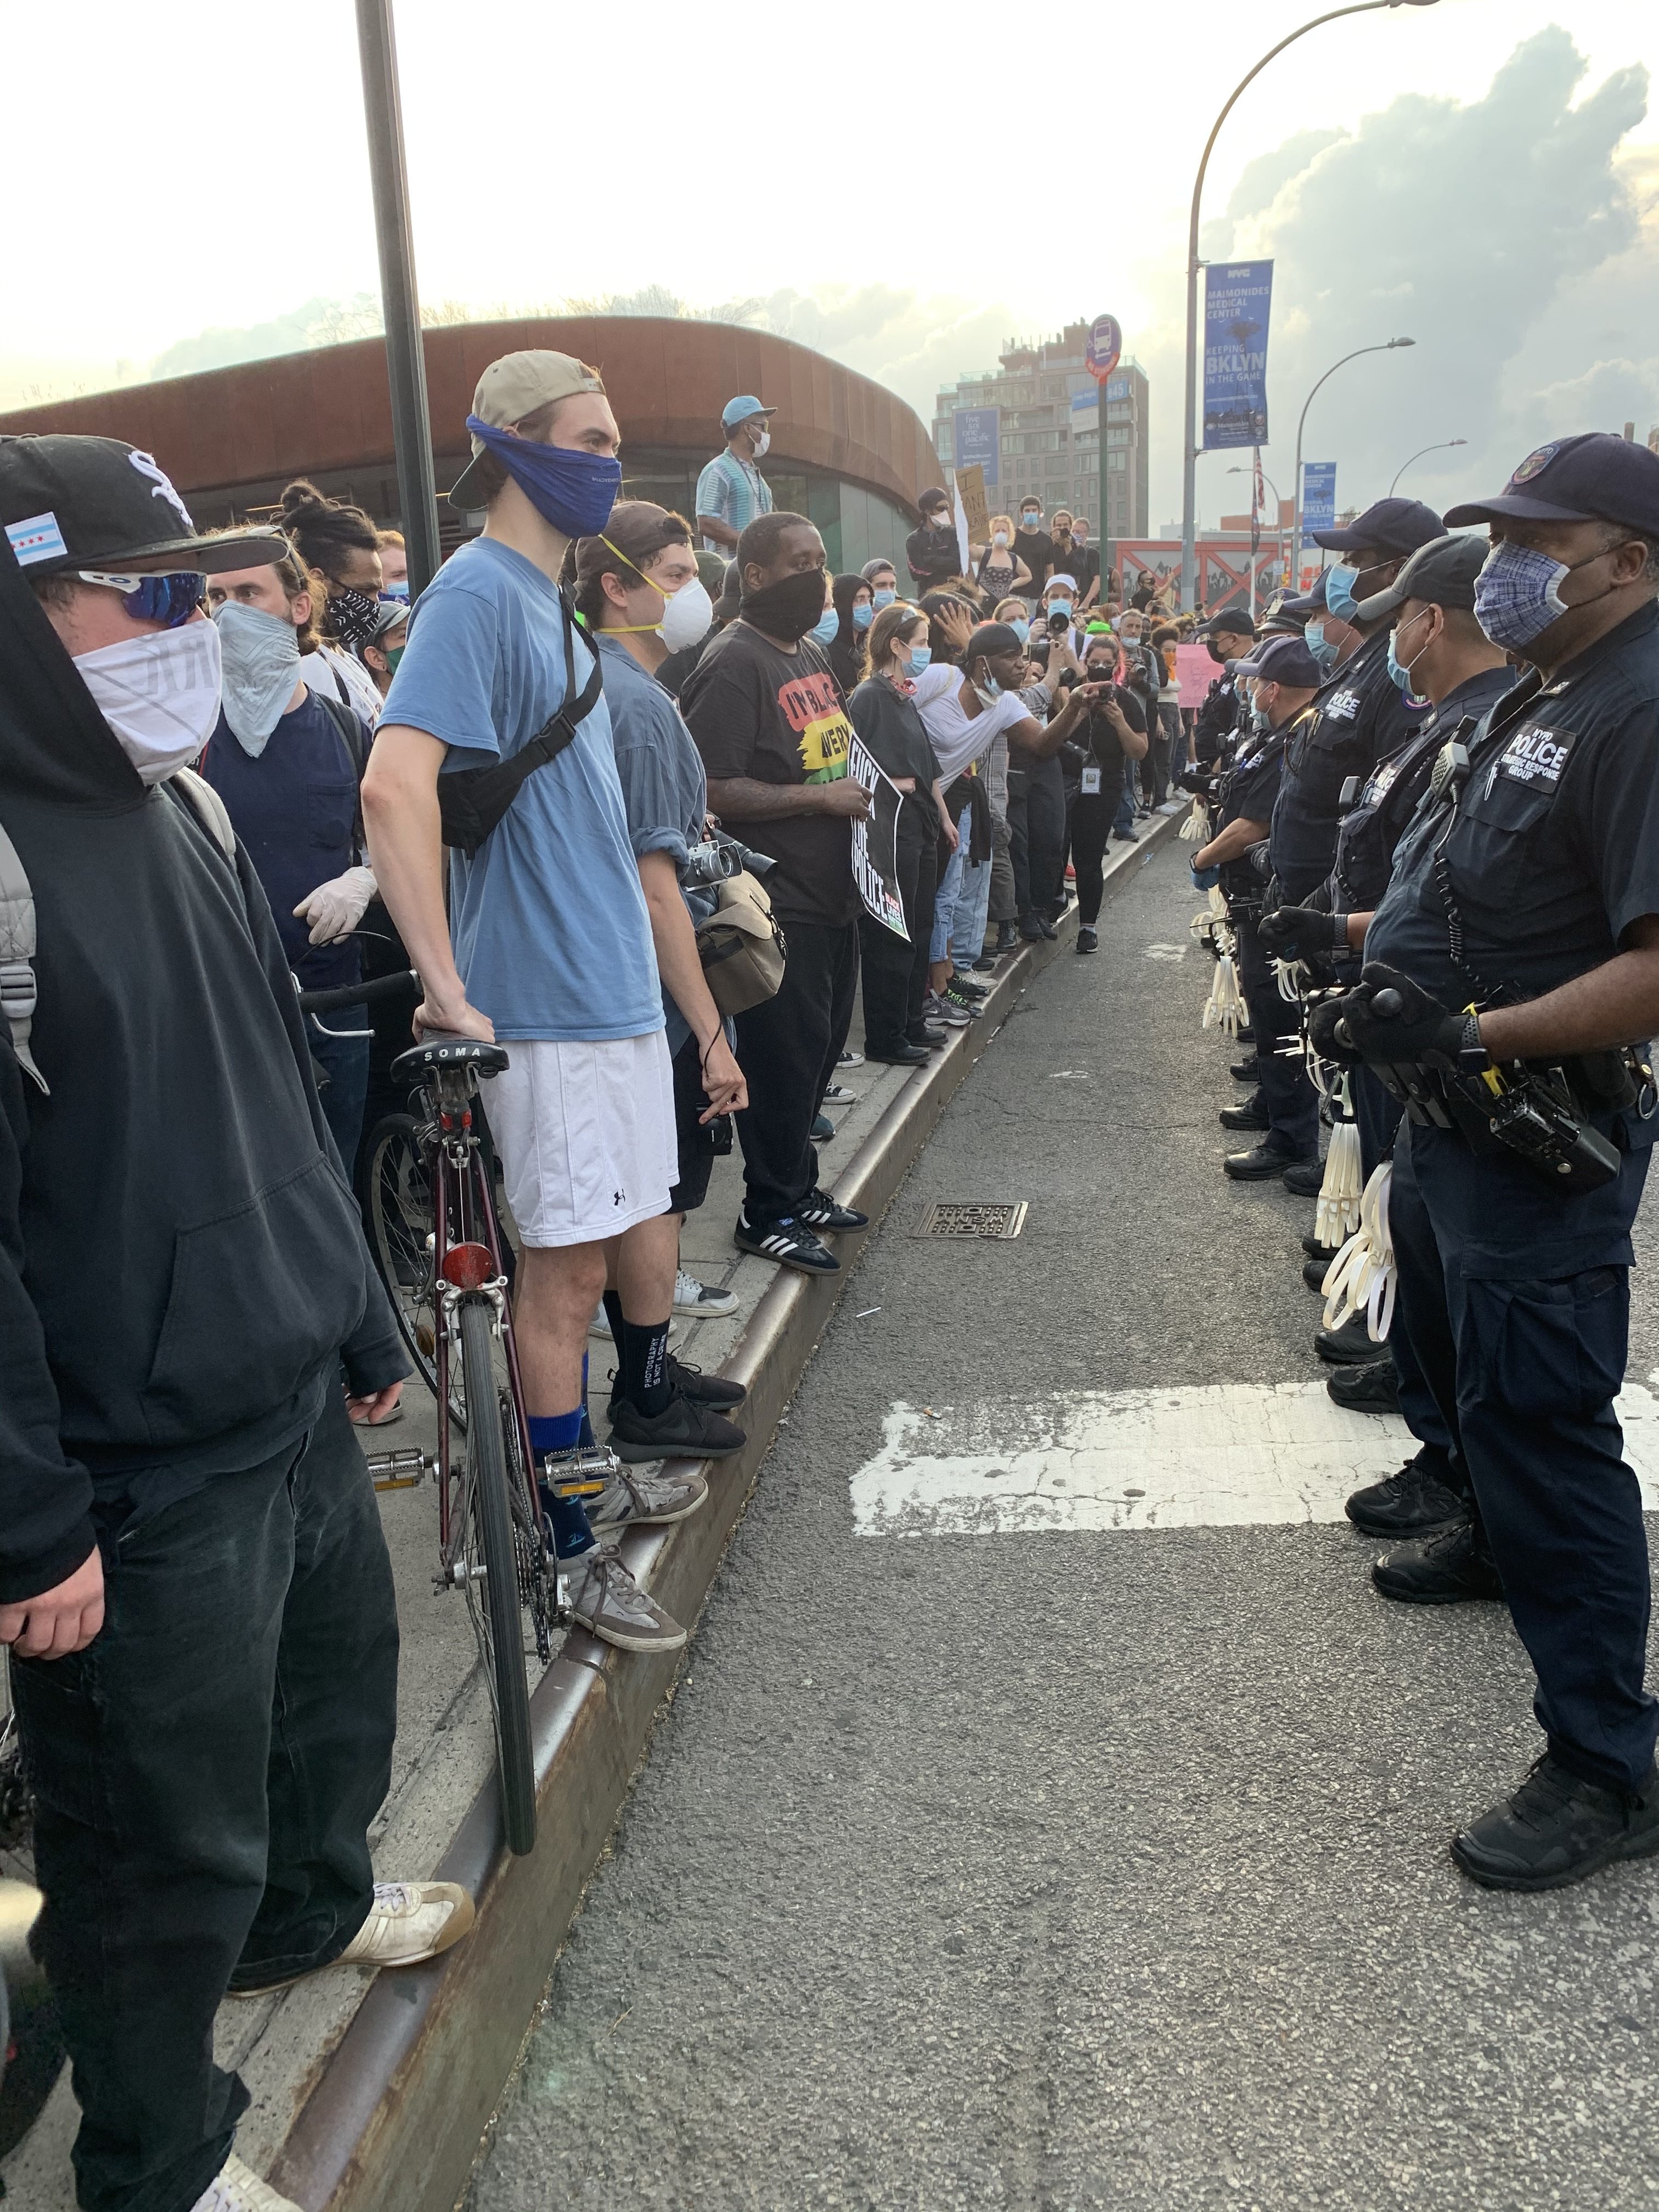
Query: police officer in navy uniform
{"points": [[1282, 681], [1362, 715], [1437, 651], [1229, 636], [1527, 888]]}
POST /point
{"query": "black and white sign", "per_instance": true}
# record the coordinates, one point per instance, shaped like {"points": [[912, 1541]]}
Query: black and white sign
{"points": [[875, 841]]}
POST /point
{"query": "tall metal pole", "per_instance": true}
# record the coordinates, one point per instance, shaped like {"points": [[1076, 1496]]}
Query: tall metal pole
{"points": [[418, 490], [1105, 532], [1278, 524], [1392, 345], [1190, 446]]}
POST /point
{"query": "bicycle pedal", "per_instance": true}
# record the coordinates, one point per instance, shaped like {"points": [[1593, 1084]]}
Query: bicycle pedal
{"points": [[401, 1470], [581, 1472]]}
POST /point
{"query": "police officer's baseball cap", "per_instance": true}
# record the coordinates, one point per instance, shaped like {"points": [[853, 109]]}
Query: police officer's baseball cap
{"points": [[1442, 574], [740, 408], [509, 389], [1282, 661], [1233, 621], [1387, 525], [1594, 478], [70, 502]]}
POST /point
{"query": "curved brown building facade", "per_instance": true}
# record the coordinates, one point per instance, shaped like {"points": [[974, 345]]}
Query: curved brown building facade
{"points": [[844, 450]]}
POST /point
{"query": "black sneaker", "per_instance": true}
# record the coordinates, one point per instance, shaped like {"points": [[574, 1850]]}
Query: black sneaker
{"points": [[1030, 930], [790, 1243], [1088, 940], [1351, 1345], [1256, 1166], [1007, 937], [821, 1211], [1252, 1115], [902, 1054], [822, 1129], [965, 983], [703, 1389], [1413, 1502], [1557, 1828], [1302, 1177], [1444, 1569], [685, 1429], [1313, 1273], [986, 961], [1372, 1389], [928, 1037], [1049, 929], [955, 1000]]}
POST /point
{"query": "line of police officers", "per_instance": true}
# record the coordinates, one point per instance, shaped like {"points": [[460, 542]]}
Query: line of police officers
{"points": [[1439, 794]]}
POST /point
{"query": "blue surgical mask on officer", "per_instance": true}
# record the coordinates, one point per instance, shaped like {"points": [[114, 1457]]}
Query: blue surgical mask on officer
{"points": [[1340, 592], [1401, 670], [1324, 649]]}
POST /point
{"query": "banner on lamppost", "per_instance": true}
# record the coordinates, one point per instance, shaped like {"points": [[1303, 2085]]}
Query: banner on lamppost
{"points": [[1238, 296], [977, 439], [1318, 497]]}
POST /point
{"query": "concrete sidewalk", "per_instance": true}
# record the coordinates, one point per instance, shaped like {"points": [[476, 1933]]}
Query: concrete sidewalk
{"points": [[374, 2092]]}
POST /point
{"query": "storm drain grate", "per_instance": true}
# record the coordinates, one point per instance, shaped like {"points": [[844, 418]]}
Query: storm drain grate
{"points": [[990, 1220]]}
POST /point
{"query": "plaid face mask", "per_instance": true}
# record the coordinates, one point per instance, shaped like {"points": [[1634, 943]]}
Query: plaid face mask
{"points": [[1517, 595]]}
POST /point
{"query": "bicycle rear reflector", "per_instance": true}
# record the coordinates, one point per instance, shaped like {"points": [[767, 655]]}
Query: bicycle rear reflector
{"points": [[469, 1266]]}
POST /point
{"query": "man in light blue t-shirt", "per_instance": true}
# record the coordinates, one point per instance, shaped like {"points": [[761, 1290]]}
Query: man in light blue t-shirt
{"points": [[547, 946], [731, 491]]}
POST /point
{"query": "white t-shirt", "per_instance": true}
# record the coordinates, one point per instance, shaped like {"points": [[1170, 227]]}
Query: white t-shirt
{"points": [[957, 740], [335, 675]]}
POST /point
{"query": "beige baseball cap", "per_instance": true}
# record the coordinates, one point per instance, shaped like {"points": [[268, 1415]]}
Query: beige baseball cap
{"points": [[511, 388]]}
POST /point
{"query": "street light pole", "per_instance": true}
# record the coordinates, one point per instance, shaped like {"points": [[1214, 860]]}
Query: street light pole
{"points": [[1190, 448], [411, 432], [1444, 447], [1392, 345]]}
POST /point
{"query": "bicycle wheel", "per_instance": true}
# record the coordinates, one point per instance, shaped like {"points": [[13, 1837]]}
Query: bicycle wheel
{"points": [[397, 1194], [494, 1544]]}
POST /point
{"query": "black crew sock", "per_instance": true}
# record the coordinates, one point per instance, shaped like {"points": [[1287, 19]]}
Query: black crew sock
{"points": [[613, 1314], [645, 1367]]}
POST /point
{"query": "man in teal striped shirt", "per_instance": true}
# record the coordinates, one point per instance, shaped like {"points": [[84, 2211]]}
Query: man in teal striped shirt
{"points": [[731, 491]]}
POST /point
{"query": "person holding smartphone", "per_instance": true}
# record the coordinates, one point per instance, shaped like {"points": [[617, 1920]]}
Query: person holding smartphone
{"points": [[1112, 733]]}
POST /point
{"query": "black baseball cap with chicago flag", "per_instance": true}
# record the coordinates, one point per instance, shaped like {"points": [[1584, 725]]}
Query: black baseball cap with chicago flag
{"points": [[1596, 477], [68, 502]]}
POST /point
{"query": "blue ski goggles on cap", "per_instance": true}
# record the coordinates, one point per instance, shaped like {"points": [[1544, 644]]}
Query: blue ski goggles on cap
{"points": [[170, 600]]}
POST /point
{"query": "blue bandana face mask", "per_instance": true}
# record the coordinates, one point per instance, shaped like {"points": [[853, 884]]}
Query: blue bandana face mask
{"points": [[573, 489], [1324, 649], [824, 629]]}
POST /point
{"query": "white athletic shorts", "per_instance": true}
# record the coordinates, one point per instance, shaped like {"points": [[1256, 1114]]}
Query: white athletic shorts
{"points": [[585, 1135]]}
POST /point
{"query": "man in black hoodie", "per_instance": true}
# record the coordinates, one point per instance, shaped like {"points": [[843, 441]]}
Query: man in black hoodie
{"points": [[193, 1580]]}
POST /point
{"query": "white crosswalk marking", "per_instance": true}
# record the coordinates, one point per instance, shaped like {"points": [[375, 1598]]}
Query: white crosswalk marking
{"points": [[1224, 1455]]}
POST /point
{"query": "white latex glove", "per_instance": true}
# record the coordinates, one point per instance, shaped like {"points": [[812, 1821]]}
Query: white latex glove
{"points": [[335, 908]]}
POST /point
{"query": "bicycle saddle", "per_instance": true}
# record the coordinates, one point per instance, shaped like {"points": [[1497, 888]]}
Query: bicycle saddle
{"points": [[438, 1051]]}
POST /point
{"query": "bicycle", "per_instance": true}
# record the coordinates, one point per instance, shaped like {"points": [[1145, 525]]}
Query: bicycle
{"points": [[493, 1539]]}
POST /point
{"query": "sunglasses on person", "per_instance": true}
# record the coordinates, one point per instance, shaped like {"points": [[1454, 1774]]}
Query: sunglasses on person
{"points": [[170, 600]]}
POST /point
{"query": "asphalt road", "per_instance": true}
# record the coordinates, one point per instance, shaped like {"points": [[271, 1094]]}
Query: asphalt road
{"points": [[1083, 1866]]}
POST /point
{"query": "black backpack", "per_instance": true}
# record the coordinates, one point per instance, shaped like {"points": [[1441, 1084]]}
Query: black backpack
{"points": [[473, 801]]}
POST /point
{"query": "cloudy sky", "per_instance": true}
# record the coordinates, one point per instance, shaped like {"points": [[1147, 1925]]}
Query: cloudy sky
{"points": [[1480, 175]]}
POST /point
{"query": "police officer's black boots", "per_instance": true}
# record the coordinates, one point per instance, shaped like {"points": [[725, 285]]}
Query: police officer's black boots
{"points": [[1351, 1345], [1302, 1177], [1259, 1165], [1252, 1115], [1370, 1389], [1557, 1828], [1410, 1503], [1448, 1568], [1246, 1071]]}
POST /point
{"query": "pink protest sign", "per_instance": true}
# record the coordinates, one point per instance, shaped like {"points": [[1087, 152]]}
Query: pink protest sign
{"points": [[1195, 672]]}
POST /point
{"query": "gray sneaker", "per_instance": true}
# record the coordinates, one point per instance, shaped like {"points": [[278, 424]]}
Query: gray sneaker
{"points": [[645, 1501], [611, 1604]]}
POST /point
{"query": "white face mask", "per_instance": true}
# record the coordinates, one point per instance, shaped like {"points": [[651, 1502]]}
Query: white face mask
{"points": [[1000, 538], [763, 444], [159, 694], [260, 656], [686, 615]]}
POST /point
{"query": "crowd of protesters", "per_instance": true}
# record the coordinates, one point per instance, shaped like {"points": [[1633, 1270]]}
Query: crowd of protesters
{"points": [[158, 1082]]}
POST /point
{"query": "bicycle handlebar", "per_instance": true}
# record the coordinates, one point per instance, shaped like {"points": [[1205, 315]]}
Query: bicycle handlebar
{"points": [[357, 994]]}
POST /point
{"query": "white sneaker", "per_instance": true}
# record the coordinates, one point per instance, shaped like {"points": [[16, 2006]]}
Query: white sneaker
{"points": [[611, 1604], [600, 1324], [700, 1299], [237, 2188], [408, 1921], [850, 1059]]}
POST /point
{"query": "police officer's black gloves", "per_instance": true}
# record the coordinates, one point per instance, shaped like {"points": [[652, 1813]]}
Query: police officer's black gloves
{"points": [[1300, 932], [1389, 1019], [1259, 856], [1200, 780]]}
